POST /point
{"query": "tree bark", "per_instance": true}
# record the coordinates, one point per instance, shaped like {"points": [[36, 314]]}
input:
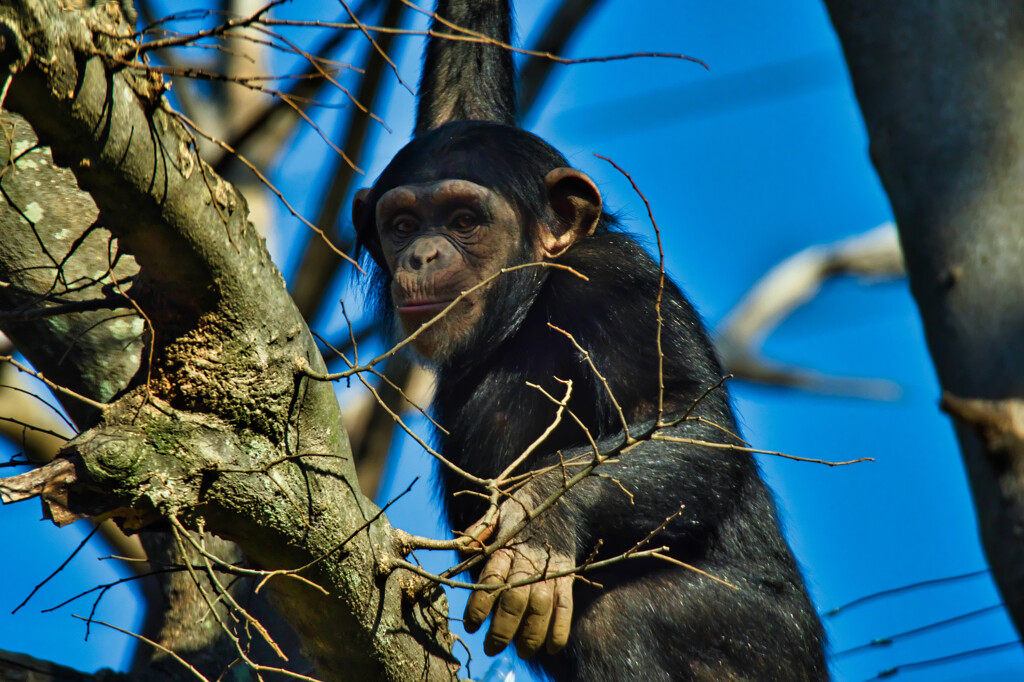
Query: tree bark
{"points": [[202, 414], [941, 86]]}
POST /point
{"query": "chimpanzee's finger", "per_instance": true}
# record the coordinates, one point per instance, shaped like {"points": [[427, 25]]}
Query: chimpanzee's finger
{"points": [[480, 602], [561, 618], [508, 613], [534, 629]]}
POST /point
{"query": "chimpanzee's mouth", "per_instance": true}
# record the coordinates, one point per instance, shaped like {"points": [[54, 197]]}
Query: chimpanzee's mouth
{"points": [[422, 308]]}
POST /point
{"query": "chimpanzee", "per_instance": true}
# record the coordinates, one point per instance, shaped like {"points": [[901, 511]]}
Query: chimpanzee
{"points": [[473, 194]]}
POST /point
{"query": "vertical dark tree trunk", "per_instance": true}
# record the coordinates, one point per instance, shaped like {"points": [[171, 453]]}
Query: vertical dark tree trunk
{"points": [[941, 86]]}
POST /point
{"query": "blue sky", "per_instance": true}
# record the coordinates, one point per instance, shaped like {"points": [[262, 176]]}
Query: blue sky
{"points": [[744, 164]]}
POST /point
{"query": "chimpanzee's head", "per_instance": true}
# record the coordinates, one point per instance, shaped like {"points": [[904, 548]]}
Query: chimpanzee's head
{"points": [[452, 209]]}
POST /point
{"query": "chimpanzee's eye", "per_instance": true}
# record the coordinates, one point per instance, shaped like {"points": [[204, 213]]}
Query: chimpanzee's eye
{"points": [[404, 225], [464, 221]]}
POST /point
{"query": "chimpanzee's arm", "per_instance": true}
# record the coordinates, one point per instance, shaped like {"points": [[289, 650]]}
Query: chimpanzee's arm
{"points": [[633, 493], [467, 81], [620, 504]]}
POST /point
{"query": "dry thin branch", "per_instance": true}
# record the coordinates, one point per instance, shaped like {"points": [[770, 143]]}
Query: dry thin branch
{"points": [[474, 37], [54, 386], [398, 419], [465, 35], [240, 570], [219, 30], [443, 578], [225, 594], [318, 268], [652, 433], [151, 346], [588, 565], [547, 432], [155, 645], [259, 123], [24, 425], [23, 314], [178, 533], [104, 588], [355, 361], [661, 285], [366, 524], [444, 461], [258, 23], [305, 369], [329, 77], [558, 31], [604, 382], [60, 568], [192, 126], [754, 451], [377, 47]]}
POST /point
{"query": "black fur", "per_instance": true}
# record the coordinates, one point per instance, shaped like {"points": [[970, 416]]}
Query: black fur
{"points": [[651, 620]]}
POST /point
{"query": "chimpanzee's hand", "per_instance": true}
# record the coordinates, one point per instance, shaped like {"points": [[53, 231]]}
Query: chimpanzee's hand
{"points": [[535, 614]]}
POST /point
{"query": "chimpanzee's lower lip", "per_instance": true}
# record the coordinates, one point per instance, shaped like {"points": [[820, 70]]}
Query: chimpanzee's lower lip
{"points": [[420, 309]]}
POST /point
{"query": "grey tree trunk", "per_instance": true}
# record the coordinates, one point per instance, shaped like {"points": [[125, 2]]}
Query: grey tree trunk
{"points": [[941, 86]]}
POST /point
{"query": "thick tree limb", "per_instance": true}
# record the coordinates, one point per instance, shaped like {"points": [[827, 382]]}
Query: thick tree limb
{"points": [[222, 432], [64, 254]]}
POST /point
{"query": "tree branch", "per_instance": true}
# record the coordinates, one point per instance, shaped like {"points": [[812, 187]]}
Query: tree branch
{"points": [[223, 433]]}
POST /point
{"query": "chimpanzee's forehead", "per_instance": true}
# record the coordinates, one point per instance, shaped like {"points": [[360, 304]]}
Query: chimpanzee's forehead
{"points": [[450, 164], [508, 160], [436, 192]]}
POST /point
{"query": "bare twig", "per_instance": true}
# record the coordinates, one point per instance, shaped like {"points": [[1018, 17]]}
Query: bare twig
{"points": [[474, 37], [102, 407], [754, 451], [604, 382], [661, 286], [60, 568], [269, 185], [377, 47], [359, 371], [305, 369], [239, 570], [219, 30], [558, 30], [547, 432], [466, 35], [188, 666]]}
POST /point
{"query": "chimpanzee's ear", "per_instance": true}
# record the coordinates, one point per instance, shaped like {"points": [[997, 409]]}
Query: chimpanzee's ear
{"points": [[358, 202], [576, 203]]}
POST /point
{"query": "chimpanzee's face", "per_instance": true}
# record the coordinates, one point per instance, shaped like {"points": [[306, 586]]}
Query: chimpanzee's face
{"points": [[439, 239]]}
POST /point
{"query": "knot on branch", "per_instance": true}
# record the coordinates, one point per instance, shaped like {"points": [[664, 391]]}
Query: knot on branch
{"points": [[998, 423], [139, 473], [112, 457]]}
